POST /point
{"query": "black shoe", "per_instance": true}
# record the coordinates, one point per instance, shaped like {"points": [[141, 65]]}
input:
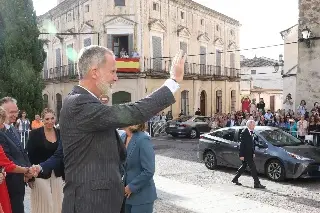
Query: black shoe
{"points": [[236, 182], [259, 186]]}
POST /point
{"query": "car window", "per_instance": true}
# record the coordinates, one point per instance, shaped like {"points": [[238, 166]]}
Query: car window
{"points": [[229, 134], [200, 119], [218, 134]]}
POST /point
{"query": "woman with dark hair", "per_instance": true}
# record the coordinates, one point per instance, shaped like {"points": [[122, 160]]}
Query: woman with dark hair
{"points": [[139, 168], [47, 190]]}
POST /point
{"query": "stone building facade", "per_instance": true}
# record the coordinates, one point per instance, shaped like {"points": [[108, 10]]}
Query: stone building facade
{"points": [[308, 73], [259, 80], [155, 29]]}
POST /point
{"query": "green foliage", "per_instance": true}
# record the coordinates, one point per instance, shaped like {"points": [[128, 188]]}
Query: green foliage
{"points": [[21, 55]]}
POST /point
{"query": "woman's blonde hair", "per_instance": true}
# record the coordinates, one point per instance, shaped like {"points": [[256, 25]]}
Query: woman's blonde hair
{"points": [[138, 128], [3, 115], [46, 111]]}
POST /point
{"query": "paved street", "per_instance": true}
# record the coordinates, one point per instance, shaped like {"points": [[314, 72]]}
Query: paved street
{"points": [[186, 186]]}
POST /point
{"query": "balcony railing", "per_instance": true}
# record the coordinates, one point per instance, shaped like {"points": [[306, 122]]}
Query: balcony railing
{"points": [[151, 67], [159, 66]]}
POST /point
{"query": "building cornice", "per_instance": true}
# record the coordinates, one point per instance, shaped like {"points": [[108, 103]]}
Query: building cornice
{"points": [[196, 6], [284, 33]]}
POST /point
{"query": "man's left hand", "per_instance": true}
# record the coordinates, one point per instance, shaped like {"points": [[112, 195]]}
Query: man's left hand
{"points": [[127, 192], [254, 155]]}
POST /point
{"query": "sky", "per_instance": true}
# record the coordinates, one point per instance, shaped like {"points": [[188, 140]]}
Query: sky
{"points": [[261, 21]]}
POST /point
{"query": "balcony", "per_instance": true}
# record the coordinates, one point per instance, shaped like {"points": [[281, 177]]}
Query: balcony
{"points": [[155, 68]]}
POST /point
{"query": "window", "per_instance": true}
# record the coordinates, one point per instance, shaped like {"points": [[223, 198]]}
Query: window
{"points": [[86, 42], [156, 6], [202, 22], [45, 101], [120, 3], [86, 8], [201, 119], [185, 102], [253, 72], [229, 134], [217, 27], [182, 15], [69, 17], [232, 32], [219, 101], [233, 100]]}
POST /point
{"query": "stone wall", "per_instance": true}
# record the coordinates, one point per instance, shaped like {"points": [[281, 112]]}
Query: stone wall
{"points": [[308, 74]]}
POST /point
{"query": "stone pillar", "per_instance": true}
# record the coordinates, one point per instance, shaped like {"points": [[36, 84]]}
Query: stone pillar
{"points": [[308, 74]]}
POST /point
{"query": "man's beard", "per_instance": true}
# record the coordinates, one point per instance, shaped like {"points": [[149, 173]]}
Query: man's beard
{"points": [[105, 88]]}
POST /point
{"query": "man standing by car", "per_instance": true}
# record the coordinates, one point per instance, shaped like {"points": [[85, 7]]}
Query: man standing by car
{"points": [[246, 154]]}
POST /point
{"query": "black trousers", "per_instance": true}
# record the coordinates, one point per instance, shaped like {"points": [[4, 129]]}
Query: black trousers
{"points": [[248, 162], [16, 200]]}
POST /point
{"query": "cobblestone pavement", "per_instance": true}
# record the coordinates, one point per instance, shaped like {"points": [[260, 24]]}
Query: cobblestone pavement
{"points": [[177, 164]]}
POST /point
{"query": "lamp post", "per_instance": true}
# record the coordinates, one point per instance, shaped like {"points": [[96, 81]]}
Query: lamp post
{"points": [[306, 33]]}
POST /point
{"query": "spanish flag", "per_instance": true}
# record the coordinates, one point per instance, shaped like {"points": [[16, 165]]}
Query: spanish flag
{"points": [[128, 65]]}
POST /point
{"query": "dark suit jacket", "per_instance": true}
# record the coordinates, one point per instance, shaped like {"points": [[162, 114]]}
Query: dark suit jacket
{"points": [[247, 145], [38, 152], [15, 182], [139, 169], [55, 160], [91, 147]]}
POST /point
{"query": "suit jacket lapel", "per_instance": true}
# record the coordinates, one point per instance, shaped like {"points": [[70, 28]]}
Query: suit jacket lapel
{"points": [[132, 145]]}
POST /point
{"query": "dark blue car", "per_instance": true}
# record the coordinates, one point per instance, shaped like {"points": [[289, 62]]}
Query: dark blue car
{"points": [[279, 155]]}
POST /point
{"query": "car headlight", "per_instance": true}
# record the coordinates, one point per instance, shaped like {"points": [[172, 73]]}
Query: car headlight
{"points": [[298, 157]]}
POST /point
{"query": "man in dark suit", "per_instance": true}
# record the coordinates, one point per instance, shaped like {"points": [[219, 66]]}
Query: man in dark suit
{"points": [[12, 146], [246, 154], [92, 149]]}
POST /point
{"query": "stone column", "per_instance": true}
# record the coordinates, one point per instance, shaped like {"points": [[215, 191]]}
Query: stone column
{"points": [[308, 74]]}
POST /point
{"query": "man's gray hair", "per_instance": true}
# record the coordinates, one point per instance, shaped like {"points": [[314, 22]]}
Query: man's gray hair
{"points": [[250, 122], [7, 100], [93, 55]]}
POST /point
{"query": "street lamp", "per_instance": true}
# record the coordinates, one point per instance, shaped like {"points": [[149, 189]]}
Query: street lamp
{"points": [[306, 33]]}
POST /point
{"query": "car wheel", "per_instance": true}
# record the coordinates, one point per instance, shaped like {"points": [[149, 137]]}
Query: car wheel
{"points": [[275, 170], [193, 134], [210, 160]]}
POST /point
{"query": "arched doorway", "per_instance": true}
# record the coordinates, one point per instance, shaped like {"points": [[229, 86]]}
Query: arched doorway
{"points": [[219, 101], [59, 104], [45, 98], [185, 102], [121, 97], [203, 102]]}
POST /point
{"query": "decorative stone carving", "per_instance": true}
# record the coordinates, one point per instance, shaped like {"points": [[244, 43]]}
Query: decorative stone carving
{"points": [[86, 27], [119, 20], [232, 45], [218, 41], [57, 39], [183, 32], [203, 37], [157, 25]]}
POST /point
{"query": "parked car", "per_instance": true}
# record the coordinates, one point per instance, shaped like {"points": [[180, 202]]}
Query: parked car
{"points": [[278, 154], [188, 126]]}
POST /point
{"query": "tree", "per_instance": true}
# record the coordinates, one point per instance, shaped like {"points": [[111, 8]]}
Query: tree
{"points": [[21, 55]]}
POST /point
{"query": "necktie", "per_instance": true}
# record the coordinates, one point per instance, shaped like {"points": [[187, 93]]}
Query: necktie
{"points": [[16, 140]]}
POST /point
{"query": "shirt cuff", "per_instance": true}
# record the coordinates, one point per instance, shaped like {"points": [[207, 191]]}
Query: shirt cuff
{"points": [[172, 85]]}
